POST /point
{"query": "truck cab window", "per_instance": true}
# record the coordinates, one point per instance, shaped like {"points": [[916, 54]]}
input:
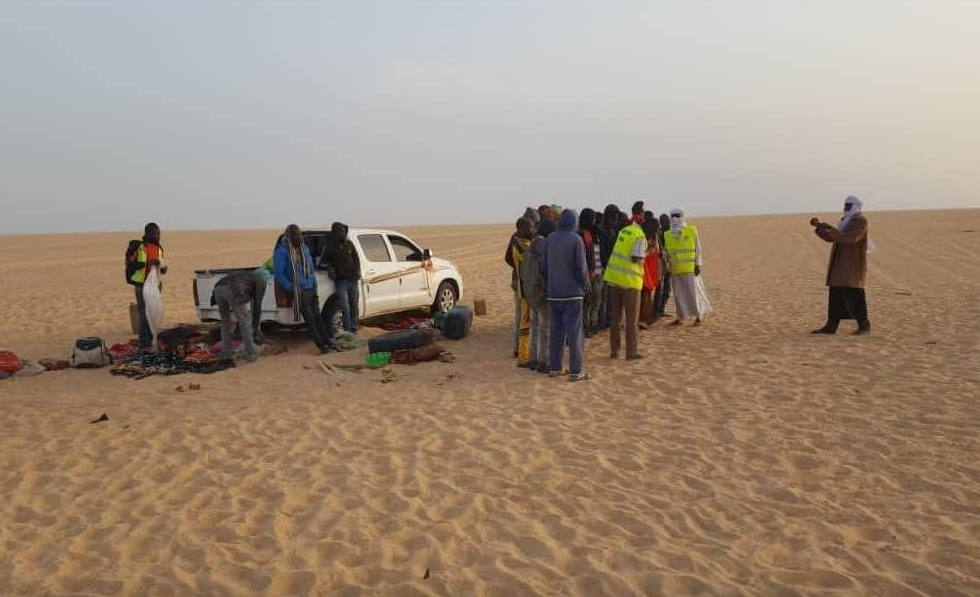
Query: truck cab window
{"points": [[374, 247], [404, 250], [315, 242]]}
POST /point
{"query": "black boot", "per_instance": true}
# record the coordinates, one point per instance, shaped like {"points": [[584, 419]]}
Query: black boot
{"points": [[864, 327], [829, 328]]}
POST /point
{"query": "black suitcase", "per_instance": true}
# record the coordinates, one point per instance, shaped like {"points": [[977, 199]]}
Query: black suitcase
{"points": [[457, 322], [401, 340]]}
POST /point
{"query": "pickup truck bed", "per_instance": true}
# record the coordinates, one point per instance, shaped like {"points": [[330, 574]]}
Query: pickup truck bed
{"points": [[205, 280]]}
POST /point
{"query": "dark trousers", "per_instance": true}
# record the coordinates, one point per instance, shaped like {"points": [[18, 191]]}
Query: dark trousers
{"points": [[227, 305], [566, 324], [662, 294], [606, 313], [592, 300], [624, 300], [146, 336], [596, 311], [847, 303], [348, 295], [309, 307], [647, 311]]}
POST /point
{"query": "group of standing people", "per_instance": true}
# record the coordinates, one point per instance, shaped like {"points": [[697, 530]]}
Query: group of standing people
{"points": [[574, 275], [239, 295]]}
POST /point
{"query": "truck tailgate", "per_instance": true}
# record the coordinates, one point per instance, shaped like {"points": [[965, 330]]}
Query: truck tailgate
{"points": [[204, 283]]}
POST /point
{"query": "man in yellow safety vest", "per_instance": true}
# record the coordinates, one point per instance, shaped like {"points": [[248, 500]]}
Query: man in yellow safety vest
{"points": [[683, 248], [141, 256], [624, 277]]}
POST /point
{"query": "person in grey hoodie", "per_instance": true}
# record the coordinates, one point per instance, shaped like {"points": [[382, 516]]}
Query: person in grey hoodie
{"points": [[566, 277], [537, 297]]}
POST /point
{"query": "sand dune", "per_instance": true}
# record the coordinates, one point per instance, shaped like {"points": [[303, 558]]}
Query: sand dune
{"points": [[741, 458]]}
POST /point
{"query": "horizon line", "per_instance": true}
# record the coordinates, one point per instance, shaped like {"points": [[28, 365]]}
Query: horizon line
{"points": [[473, 224]]}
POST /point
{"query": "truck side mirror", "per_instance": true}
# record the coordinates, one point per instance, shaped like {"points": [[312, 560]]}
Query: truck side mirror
{"points": [[426, 254]]}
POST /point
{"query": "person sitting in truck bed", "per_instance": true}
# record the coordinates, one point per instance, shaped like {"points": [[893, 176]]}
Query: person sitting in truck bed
{"points": [[238, 293], [340, 258], [294, 274]]}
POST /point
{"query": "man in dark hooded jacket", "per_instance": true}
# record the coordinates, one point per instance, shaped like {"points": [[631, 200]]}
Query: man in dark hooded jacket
{"points": [[608, 234], [340, 258], [586, 223], [567, 279], [637, 212]]}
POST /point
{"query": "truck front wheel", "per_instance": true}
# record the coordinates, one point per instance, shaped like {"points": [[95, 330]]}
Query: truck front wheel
{"points": [[446, 297]]}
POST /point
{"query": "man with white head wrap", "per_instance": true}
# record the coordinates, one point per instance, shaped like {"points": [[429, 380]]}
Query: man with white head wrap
{"points": [[848, 267], [683, 246]]}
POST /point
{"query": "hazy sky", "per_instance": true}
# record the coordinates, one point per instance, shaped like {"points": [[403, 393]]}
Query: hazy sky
{"points": [[257, 114]]}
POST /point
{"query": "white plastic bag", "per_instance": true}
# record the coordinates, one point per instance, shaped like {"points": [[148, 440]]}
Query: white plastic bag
{"points": [[154, 303]]}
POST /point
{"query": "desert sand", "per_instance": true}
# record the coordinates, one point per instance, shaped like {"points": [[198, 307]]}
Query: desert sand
{"points": [[745, 457]]}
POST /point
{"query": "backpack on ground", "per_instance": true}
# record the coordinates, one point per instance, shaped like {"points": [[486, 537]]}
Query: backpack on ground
{"points": [[132, 265], [89, 353]]}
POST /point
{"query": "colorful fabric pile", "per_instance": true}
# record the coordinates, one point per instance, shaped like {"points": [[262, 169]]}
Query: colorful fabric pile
{"points": [[430, 352], [54, 364], [184, 358], [124, 353], [409, 323], [181, 335]]}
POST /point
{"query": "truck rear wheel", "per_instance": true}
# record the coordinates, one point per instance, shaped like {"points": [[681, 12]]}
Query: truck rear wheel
{"points": [[331, 313]]}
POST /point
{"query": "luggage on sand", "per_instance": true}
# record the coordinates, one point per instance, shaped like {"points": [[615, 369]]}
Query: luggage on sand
{"points": [[9, 362], [89, 353], [457, 322], [30, 369], [401, 340]]}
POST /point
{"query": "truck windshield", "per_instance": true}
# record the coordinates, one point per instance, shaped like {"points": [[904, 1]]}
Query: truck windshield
{"points": [[404, 250]]}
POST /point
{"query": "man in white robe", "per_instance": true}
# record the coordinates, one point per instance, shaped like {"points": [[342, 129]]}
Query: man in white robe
{"points": [[690, 296]]}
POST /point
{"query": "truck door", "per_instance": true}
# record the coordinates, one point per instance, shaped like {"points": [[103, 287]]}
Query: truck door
{"points": [[381, 275], [416, 281]]}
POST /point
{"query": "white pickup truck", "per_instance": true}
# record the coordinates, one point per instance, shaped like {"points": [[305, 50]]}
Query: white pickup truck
{"points": [[396, 275]]}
